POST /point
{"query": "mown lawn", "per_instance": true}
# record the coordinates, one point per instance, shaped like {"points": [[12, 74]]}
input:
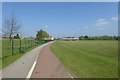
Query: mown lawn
{"points": [[88, 59]]}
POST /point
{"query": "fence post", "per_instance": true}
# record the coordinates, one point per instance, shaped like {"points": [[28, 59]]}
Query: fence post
{"points": [[31, 43], [34, 42], [25, 45], [28, 43], [20, 45], [12, 46]]}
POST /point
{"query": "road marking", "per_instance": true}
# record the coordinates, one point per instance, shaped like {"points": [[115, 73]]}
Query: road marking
{"points": [[70, 75], [67, 72], [33, 66], [31, 70]]}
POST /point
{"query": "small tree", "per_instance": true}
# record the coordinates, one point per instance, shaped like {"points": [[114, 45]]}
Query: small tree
{"points": [[11, 26], [41, 35], [86, 37], [17, 36]]}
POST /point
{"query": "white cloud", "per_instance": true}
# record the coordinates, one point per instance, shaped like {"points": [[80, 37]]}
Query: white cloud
{"points": [[114, 18], [101, 22], [44, 27]]}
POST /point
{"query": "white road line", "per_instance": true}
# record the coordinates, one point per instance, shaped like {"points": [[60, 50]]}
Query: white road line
{"points": [[70, 75], [33, 66], [31, 70], [67, 72]]}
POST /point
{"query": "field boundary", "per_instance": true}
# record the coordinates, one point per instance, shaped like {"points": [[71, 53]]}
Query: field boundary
{"points": [[66, 70]]}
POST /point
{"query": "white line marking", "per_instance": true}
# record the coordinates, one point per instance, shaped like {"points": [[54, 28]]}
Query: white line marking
{"points": [[70, 75], [33, 66], [31, 70], [67, 72]]}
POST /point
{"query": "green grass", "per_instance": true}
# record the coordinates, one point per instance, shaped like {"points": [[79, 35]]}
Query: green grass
{"points": [[7, 46], [7, 57], [88, 59], [10, 59]]}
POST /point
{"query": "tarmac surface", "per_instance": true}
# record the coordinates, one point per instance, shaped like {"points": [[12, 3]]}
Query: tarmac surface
{"points": [[37, 63], [20, 68], [48, 65]]}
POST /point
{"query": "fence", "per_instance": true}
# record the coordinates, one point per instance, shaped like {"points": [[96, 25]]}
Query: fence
{"points": [[18, 46]]}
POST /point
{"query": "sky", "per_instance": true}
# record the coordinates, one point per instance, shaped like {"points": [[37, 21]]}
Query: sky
{"points": [[60, 0], [61, 19]]}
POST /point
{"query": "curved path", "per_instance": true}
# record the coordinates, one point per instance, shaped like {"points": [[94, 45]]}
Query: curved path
{"points": [[20, 68], [48, 66], [37, 63]]}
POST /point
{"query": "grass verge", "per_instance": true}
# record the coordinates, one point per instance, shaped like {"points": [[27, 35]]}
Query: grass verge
{"points": [[88, 59]]}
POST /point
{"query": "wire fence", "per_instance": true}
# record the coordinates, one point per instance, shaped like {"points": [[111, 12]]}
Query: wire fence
{"points": [[18, 46]]}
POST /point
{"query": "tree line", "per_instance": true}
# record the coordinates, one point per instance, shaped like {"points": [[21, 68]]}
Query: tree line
{"points": [[105, 37]]}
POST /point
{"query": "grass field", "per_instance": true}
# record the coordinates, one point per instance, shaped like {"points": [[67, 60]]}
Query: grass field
{"points": [[7, 57], [88, 59]]}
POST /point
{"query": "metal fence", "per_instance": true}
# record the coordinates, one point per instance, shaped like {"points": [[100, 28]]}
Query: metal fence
{"points": [[18, 46]]}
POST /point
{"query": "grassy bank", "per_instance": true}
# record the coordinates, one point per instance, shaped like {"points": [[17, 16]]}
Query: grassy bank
{"points": [[88, 59]]}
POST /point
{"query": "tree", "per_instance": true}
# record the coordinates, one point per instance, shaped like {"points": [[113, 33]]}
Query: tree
{"points": [[116, 37], [41, 34], [17, 36], [11, 26], [81, 38], [86, 37]]}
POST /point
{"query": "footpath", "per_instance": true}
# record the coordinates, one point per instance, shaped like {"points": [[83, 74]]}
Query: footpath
{"points": [[48, 65]]}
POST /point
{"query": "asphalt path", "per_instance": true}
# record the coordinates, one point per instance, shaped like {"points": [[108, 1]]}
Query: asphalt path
{"points": [[49, 66], [37, 63], [21, 67]]}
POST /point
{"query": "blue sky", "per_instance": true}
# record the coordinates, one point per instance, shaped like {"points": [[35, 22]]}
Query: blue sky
{"points": [[65, 19], [60, 0]]}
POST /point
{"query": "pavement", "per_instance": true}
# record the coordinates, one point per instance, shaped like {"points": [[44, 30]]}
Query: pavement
{"points": [[21, 67]]}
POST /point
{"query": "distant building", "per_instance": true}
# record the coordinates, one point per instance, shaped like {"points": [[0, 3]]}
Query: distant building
{"points": [[49, 38], [70, 38], [4, 36]]}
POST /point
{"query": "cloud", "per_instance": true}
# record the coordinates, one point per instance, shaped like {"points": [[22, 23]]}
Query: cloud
{"points": [[114, 18], [46, 26], [101, 22]]}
